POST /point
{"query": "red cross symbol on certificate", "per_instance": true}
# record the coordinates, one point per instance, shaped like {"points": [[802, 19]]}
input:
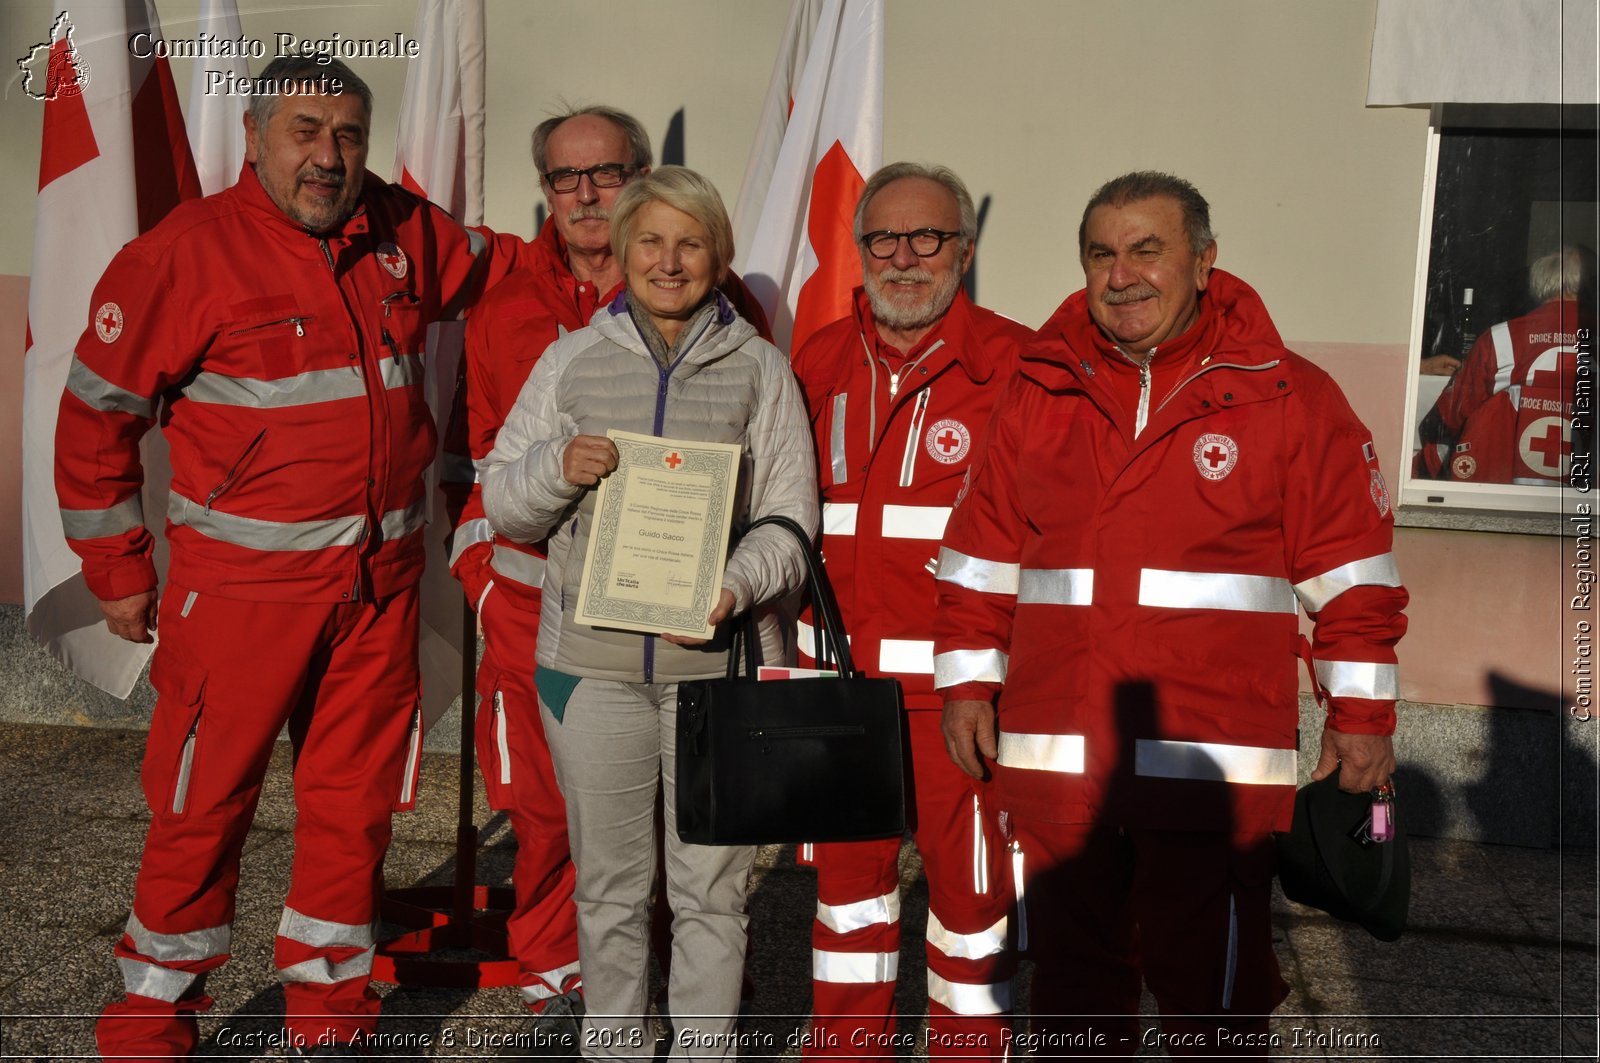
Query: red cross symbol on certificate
{"points": [[673, 461], [1215, 455], [948, 441]]}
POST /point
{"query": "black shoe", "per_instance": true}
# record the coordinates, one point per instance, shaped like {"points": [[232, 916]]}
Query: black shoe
{"points": [[554, 1033]]}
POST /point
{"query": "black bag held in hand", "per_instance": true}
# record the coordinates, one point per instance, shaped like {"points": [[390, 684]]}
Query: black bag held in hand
{"points": [[792, 760]]}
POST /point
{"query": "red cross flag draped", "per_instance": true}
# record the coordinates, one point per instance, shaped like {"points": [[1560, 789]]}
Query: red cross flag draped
{"points": [[216, 108], [113, 160], [439, 154], [825, 107]]}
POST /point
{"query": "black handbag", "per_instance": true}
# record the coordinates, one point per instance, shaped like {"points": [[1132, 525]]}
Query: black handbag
{"points": [[791, 760]]}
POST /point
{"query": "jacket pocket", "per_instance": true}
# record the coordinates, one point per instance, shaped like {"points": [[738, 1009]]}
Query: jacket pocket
{"points": [[271, 340], [230, 479], [172, 756]]}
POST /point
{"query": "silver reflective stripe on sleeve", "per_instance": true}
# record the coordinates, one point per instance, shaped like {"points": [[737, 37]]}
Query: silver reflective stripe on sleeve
{"points": [[915, 522], [969, 666], [303, 389], [911, 656], [97, 523], [974, 946], [401, 371], [1378, 571], [158, 983], [1056, 586], [836, 458], [1166, 589], [1216, 761], [1505, 356], [101, 394], [839, 518], [514, 564], [854, 967], [188, 947], [470, 534], [876, 911], [1042, 752], [323, 933], [399, 523], [457, 468], [976, 573], [965, 999], [1359, 679]]}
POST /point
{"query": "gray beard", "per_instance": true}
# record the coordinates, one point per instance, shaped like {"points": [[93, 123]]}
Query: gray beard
{"points": [[903, 318]]}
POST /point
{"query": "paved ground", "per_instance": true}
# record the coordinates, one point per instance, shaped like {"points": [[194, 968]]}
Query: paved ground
{"points": [[1500, 962]]}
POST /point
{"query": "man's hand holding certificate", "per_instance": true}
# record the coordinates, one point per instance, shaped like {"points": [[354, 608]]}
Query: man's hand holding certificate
{"points": [[662, 524]]}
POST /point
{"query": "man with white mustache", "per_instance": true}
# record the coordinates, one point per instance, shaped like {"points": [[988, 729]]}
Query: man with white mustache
{"points": [[584, 158], [899, 391], [1116, 632]]}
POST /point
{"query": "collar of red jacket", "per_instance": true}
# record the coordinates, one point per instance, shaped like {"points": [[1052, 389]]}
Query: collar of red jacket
{"points": [[955, 329], [1233, 322], [249, 189]]}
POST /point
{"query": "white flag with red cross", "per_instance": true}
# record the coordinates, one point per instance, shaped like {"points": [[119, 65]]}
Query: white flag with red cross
{"points": [[800, 257], [215, 115], [439, 154], [113, 160]]}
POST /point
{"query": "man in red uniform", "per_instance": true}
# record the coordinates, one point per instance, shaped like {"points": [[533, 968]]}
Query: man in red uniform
{"points": [[1506, 415], [584, 158], [1116, 632], [278, 329], [899, 392]]}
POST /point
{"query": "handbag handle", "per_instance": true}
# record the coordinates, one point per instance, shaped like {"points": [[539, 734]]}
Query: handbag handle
{"points": [[832, 644]]}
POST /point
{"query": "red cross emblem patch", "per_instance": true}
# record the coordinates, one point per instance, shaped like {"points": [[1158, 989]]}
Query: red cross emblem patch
{"points": [[391, 258], [1380, 493], [108, 322], [1215, 455], [948, 441]]}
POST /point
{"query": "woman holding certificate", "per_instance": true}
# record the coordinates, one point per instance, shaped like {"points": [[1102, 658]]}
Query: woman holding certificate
{"points": [[634, 448]]}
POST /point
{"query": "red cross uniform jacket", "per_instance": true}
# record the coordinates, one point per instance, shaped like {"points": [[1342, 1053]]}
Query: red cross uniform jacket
{"points": [[286, 369], [506, 333], [1133, 598], [892, 451], [1506, 415]]}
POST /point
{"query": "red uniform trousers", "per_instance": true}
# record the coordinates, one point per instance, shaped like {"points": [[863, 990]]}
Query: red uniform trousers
{"points": [[1190, 911], [855, 939], [520, 780], [229, 675]]}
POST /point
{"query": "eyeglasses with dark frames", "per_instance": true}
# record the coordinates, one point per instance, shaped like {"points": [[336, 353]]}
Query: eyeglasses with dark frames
{"points": [[606, 175], [924, 243]]}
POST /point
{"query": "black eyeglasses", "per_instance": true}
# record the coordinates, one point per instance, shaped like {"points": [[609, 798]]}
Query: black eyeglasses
{"points": [[606, 175], [923, 242]]}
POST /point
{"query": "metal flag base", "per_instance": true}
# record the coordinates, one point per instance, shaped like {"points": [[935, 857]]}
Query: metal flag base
{"points": [[464, 917]]}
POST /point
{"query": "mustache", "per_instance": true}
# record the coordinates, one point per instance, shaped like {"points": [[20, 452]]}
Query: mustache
{"points": [[590, 212], [317, 173], [1128, 295], [916, 276]]}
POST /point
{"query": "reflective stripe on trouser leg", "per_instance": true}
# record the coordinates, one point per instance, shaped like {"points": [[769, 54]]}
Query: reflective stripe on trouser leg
{"points": [[855, 940]]}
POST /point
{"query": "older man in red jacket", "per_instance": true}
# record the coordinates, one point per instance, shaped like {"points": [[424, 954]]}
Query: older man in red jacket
{"points": [[1163, 484], [900, 392]]}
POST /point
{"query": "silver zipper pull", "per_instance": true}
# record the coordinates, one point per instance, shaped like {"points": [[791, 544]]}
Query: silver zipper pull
{"points": [[299, 326], [894, 383]]}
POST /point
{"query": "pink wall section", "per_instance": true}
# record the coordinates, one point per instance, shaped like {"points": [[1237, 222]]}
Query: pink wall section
{"points": [[13, 335]]}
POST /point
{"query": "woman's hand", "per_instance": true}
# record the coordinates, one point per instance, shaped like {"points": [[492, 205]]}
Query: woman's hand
{"points": [[718, 615], [588, 460]]}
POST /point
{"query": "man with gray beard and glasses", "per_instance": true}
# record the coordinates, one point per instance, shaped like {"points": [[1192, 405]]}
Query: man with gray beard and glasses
{"points": [[899, 391], [584, 158]]}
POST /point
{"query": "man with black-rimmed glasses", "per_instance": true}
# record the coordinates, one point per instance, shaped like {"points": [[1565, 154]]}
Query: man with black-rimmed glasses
{"points": [[899, 391]]}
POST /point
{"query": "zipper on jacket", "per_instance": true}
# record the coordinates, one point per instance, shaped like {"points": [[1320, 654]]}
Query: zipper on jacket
{"points": [[299, 324], [1142, 417], [389, 300], [227, 481], [908, 461], [1206, 369], [327, 252]]}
